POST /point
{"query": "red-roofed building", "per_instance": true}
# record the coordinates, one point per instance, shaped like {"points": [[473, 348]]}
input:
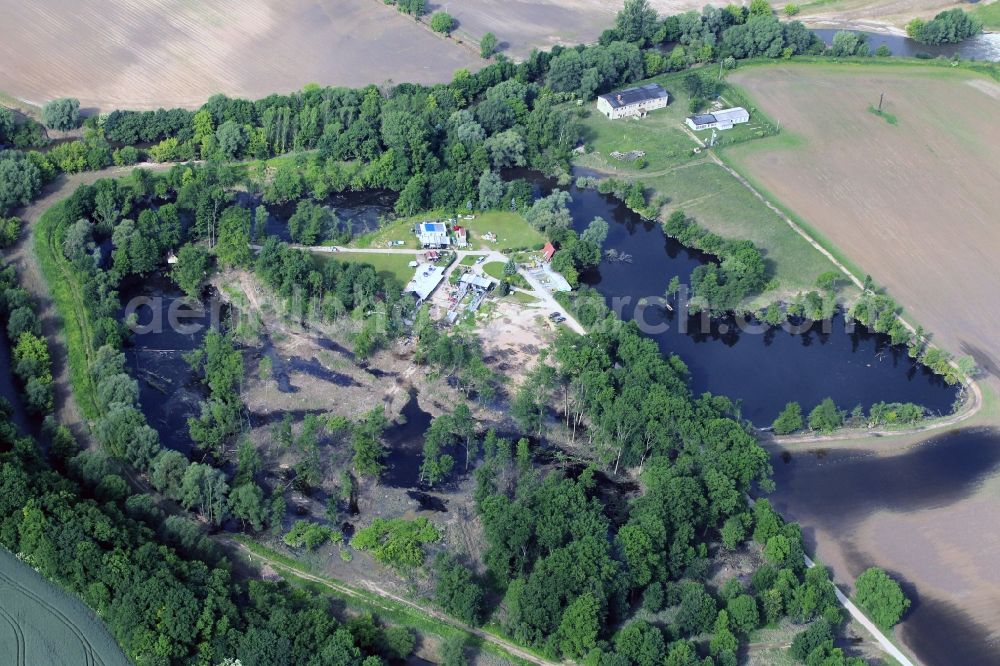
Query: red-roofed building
{"points": [[461, 239], [548, 251]]}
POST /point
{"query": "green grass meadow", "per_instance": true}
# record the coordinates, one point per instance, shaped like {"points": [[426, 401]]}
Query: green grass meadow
{"points": [[396, 265]]}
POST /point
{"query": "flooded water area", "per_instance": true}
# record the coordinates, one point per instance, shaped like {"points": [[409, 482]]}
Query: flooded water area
{"points": [[168, 325], [926, 515], [985, 46], [355, 213], [763, 367]]}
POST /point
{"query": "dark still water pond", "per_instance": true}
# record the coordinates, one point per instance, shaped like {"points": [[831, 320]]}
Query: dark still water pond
{"points": [[169, 326], [833, 493], [763, 367]]}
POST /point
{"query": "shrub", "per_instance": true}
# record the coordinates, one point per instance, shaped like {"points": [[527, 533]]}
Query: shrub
{"points": [[10, 229], [310, 536], [789, 420], [126, 156], [791, 10], [62, 114], [881, 597], [883, 51], [948, 27], [487, 45], [397, 542], [442, 22], [825, 417]]}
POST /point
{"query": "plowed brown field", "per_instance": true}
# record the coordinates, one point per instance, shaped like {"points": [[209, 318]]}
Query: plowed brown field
{"points": [[915, 204], [150, 53]]}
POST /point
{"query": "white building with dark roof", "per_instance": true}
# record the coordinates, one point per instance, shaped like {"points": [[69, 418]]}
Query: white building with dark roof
{"points": [[720, 120], [633, 101]]}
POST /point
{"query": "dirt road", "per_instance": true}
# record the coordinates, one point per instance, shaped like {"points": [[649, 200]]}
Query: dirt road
{"points": [[374, 588], [29, 272]]}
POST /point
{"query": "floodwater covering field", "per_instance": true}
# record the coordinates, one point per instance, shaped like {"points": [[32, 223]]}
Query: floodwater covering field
{"points": [[41, 625], [926, 515], [913, 203]]}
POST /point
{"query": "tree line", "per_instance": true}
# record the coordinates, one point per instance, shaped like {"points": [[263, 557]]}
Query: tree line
{"points": [[165, 594]]}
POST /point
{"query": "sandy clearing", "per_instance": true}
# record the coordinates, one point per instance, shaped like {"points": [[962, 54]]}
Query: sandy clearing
{"points": [[150, 53], [914, 204]]}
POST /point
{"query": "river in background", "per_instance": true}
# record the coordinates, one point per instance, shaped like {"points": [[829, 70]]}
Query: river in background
{"points": [[831, 494], [358, 212], [763, 367], [984, 46]]}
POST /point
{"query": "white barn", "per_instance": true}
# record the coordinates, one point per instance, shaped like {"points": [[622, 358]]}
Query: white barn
{"points": [[721, 120], [633, 101]]}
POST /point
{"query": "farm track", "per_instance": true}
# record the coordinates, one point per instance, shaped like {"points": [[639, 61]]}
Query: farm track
{"points": [[18, 635], [972, 404], [90, 655], [333, 584], [24, 257]]}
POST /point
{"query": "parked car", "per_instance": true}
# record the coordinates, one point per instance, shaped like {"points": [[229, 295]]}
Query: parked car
{"points": [[553, 315], [560, 319]]}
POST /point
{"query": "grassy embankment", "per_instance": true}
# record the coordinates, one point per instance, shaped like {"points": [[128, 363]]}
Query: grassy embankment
{"points": [[68, 298], [702, 188], [988, 14]]}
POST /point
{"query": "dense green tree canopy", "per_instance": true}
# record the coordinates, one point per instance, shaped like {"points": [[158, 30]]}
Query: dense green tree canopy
{"points": [[62, 114], [881, 597]]}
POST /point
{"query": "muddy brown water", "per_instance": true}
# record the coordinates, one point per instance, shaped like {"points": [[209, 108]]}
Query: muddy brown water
{"points": [[836, 491]]}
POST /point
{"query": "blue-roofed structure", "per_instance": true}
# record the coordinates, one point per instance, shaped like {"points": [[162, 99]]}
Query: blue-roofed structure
{"points": [[433, 234]]}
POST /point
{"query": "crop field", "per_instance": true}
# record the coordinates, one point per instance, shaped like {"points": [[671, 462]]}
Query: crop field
{"points": [[913, 203], [873, 14], [142, 54], [41, 625]]}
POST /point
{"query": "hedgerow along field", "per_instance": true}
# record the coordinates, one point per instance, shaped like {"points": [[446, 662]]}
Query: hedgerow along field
{"points": [[40, 624], [135, 54], [913, 203]]}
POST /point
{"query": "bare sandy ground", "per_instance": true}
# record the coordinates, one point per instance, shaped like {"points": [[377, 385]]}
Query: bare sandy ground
{"points": [[150, 53], [914, 204]]}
